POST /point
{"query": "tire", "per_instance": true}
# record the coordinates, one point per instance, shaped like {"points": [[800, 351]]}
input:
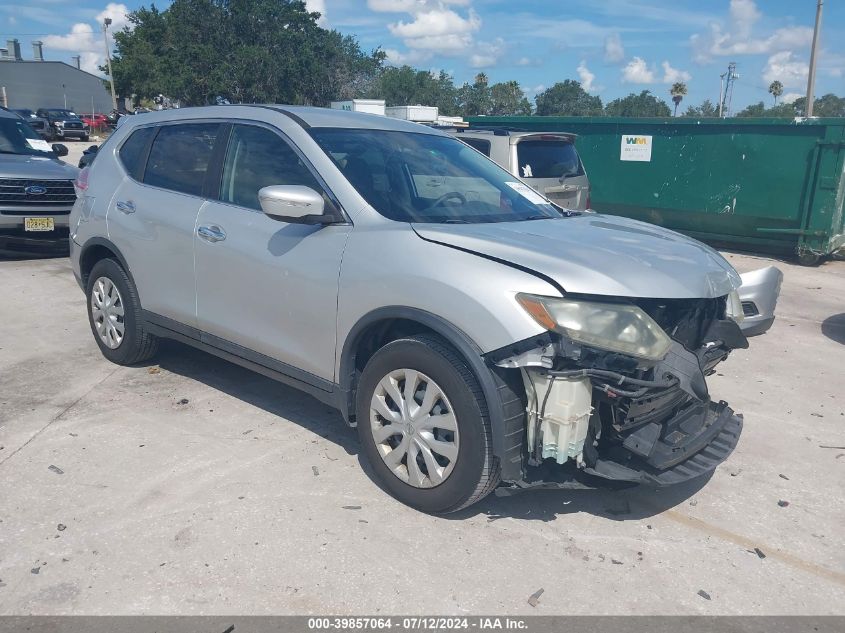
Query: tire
{"points": [[84, 139], [135, 344], [474, 472]]}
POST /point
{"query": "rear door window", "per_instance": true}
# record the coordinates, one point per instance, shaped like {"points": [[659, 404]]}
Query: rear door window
{"points": [[480, 144], [180, 156], [548, 159], [133, 151]]}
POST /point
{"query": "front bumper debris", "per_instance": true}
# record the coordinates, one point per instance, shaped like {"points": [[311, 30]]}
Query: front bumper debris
{"points": [[598, 419], [689, 445]]}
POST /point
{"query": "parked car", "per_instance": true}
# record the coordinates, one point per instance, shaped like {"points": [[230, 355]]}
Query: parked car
{"points": [[546, 161], [474, 333], [97, 121], [36, 190], [65, 123], [40, 125]]}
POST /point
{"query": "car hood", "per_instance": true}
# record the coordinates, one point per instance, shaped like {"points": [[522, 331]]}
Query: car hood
{"points": [[598, 255], [35, 168]]}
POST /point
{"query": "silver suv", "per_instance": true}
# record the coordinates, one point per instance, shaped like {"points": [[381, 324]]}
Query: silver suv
{"points": [[546, 161], [36, 190], [475, 333]]}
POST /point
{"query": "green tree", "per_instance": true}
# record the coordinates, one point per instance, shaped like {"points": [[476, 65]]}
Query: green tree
{"points": [[475, 99], [776, 90], [644, 104], [568, 98], [705, 110], [678, 92], [753, 110], [242, 51], [507, 98], [828, 105], [408, 86]]}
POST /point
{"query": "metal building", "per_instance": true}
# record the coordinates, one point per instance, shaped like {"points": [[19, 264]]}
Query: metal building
{"points": [[37, 83]]}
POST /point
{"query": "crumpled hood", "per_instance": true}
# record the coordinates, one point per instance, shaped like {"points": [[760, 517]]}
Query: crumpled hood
{"points": [[599, 255], [35, 168]]}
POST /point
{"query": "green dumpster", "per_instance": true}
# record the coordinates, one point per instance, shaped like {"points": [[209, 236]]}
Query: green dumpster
{"points": [[774, 185]]}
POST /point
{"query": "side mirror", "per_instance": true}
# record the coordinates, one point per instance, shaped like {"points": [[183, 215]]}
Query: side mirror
{"points": [[93, 149], [295, 204], [59, 149]]}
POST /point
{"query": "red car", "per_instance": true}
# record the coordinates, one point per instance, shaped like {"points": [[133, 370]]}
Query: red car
{"points": [[98, 120]]}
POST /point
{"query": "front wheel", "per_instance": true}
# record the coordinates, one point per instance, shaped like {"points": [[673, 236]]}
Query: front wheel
{"points": [[424, 426], [114, 313]]}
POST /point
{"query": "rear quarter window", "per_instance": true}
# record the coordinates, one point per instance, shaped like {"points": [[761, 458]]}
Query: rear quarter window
{"points": [[133, 151], [548, 159]]}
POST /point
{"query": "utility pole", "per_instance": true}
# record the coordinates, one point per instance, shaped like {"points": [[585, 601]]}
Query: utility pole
{"points": [[106, 23], [726, 96], [811, 78]]}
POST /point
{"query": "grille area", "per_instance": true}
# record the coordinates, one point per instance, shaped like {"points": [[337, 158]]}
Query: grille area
{"points": [[73, 125], [59, 193]]}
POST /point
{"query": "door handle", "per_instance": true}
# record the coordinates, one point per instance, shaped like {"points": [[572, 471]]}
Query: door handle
{"points": [[211, 233], [126, 207]]}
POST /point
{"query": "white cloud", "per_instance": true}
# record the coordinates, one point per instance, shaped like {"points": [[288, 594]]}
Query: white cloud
{"points": [[790, 97], [671, 75], [487, 53], [318, 6], [787, 69], [586, 77], [637, 72], [411, 58], [738, 38], [436, 27], [614, 52], [84, 41]]}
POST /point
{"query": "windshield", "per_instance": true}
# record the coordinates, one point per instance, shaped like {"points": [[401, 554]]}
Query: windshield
{"points": [[413, 177], [62, 114], [16, 137], [548, 159]]}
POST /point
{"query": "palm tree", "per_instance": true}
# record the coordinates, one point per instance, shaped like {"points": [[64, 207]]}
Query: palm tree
{"points": [[678, 90], [776, 90]]}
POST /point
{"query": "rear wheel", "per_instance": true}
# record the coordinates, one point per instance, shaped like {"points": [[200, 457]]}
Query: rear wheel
{"points": [[424, 426], [114, 313]]}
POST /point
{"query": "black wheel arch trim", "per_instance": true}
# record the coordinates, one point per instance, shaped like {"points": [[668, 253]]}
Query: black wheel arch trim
{"points": [[458, 339], [102, 241]]}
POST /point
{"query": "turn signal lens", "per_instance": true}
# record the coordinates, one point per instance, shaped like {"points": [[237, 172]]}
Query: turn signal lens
{"points": [[537, 311]]}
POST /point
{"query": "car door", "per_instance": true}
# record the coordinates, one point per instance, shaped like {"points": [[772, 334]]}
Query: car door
{"points": [[267, 289], [152, 216]]}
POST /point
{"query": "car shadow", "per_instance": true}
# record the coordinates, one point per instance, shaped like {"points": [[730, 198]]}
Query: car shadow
{"points": [[633, 503], [833, 327], [627, 504], [259, 391]]}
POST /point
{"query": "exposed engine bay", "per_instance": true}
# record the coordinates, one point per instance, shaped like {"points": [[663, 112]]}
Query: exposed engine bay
{"points": [[594, 415]]}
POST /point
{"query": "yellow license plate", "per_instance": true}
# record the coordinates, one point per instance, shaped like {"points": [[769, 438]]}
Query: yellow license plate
{"points": [[39, 224]]}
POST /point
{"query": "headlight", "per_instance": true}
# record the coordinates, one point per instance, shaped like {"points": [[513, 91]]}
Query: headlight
{"points": [[733, 307], [617, 327]]}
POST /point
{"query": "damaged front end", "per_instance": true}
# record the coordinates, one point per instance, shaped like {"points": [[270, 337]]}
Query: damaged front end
{"points": [[616, 391]]}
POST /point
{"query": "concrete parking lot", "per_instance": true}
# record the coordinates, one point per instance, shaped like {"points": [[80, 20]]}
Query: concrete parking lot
{"points": [[192, 486]]}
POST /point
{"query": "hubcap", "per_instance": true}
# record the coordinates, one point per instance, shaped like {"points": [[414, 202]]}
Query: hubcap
{"points": [[107, 312], [414, 428]]}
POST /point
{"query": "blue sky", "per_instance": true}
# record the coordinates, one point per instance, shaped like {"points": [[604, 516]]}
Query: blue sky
{"points": [[613, 46]]}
